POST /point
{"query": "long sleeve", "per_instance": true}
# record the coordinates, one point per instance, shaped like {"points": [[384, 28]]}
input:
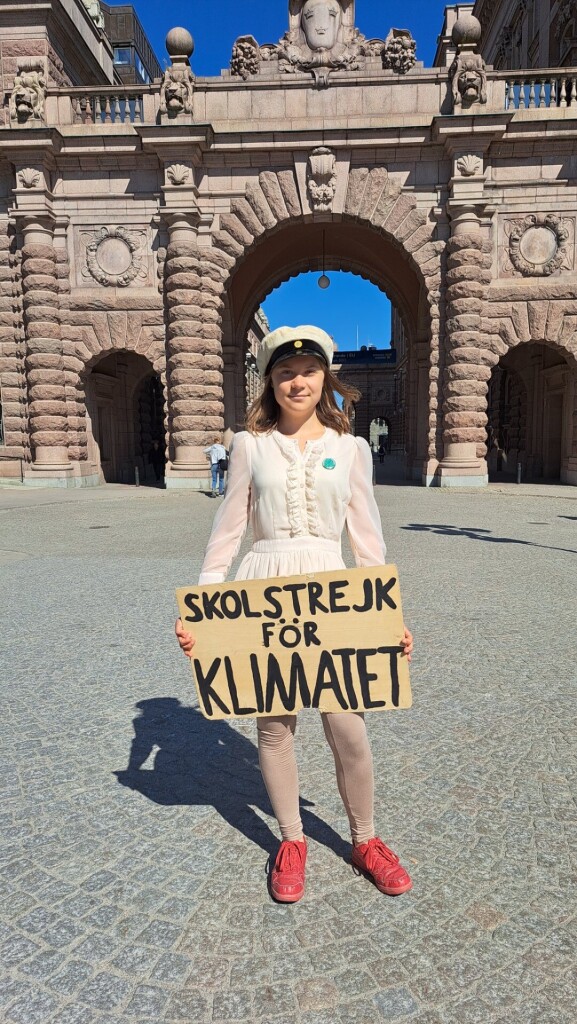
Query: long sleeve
{"points": [[231, 520], [362, 517]]}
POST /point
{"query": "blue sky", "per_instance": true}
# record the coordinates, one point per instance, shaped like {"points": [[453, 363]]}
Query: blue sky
{"points": [[351, 305], [215, 24]]}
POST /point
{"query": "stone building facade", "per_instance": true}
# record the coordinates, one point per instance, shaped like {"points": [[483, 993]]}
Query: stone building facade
{"points": [[143, 226]]}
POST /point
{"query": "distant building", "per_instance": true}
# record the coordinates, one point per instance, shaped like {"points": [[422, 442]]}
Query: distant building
{"points": [[380, 375], [135, 62], [532, 34], [258, 327]]}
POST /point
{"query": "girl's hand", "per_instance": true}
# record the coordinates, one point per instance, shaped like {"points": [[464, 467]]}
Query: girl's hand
{"points": [[186, 640], [407, 644]]}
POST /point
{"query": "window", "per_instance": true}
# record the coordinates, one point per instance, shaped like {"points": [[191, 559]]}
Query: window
{"points": [[122, 55], [1, 423], [141, 70]]}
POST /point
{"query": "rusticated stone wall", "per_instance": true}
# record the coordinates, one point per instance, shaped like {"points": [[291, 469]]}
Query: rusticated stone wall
{"points": [[47, 410], [470, 355]]}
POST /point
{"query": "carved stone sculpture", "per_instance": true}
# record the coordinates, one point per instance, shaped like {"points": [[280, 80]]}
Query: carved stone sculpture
{"points": [[539, 245], [178, 174], [467, 72], [28, 177], [399, 51], [176, 90], [28, 92], [322, 178], [469, 79], [113, 256], [469, 165], [95, 11], [245, 60], [321, 22], [321, 38]]}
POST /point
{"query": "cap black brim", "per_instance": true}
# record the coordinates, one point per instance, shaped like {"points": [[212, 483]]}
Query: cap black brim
{"points": [[288, 350]]}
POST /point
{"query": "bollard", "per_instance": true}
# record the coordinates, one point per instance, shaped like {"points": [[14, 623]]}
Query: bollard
{"points": [[518, 472], [136, 476]]}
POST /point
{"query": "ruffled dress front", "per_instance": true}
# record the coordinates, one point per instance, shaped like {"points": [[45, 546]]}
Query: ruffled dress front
{"points": [[297, 504]]}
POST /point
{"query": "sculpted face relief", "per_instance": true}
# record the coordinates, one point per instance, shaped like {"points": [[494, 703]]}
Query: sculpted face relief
{"points": [[320, 22]]}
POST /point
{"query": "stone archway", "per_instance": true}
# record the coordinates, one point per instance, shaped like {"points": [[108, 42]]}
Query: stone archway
{"points": [[530, 422], [122, 417], [269, 235], [137, 340], [537, 340]]}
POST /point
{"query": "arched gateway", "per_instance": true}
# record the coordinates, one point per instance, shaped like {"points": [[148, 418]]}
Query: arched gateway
{"points": [[267, 237], [143, 226]]}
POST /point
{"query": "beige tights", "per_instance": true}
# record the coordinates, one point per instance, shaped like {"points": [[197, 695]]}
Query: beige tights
{"points": [[347, 737]]}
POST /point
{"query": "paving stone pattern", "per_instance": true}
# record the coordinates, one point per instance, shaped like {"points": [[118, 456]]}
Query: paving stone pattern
{"points": [[141, 897]]}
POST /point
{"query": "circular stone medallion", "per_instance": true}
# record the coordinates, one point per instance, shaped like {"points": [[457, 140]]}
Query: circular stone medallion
{"points": [[538, 245], [113, 256]]}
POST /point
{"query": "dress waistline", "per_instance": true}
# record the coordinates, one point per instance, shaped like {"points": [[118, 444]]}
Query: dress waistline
{"points": [[307, 542]]}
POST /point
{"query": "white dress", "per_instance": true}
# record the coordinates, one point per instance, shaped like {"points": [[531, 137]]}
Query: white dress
{"points": [[297, 505]]}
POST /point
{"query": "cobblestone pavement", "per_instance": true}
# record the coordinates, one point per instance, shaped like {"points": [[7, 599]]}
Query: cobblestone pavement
{"points": [[149, 904]]}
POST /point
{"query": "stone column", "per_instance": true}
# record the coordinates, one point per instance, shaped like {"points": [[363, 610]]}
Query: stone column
{"points": [[468, 364], [194, 350], [44, 359], [11, 360]]}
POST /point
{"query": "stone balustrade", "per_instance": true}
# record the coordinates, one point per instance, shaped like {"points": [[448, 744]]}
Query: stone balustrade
{"points": [[426, 91], [543, 89], [98, 105]]}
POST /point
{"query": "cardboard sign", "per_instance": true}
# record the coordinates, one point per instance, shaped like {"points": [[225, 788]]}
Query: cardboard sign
{"points": [[327, 640]]}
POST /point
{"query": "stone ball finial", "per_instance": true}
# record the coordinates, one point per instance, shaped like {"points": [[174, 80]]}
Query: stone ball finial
{"points": [[467, 30], [179, 43]]}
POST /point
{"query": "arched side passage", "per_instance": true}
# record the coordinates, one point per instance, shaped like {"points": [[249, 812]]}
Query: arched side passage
{"points": [[87, 343], [373, 200], [549, 322]]}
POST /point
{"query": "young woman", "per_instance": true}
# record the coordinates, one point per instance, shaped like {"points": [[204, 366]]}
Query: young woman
{"points": [[298, 476]]}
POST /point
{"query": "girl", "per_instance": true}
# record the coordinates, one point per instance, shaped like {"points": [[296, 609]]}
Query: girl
{"points": [[298, 475]]}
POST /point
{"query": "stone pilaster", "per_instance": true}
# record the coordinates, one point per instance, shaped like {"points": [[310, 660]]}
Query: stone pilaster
{"points": [[44, 359], [468, 363], [194, 350]]}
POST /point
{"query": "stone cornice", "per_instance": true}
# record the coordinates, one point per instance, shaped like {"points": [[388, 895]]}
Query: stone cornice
{"points": [[471, 131], [167, 140], [25, 144]]}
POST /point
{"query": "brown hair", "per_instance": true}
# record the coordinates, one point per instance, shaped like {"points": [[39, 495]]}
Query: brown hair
{"points": [[262, 416]]}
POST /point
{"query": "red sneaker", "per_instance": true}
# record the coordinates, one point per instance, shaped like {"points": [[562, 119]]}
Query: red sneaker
{"points": [[287, 880], [382, 866]]}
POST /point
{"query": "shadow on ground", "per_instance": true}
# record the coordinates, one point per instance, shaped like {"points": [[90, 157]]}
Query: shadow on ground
{"points": [[202, 763], [476, 533]]}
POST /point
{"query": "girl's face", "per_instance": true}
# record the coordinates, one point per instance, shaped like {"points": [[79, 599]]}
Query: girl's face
{"points": [[298, 384]]}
